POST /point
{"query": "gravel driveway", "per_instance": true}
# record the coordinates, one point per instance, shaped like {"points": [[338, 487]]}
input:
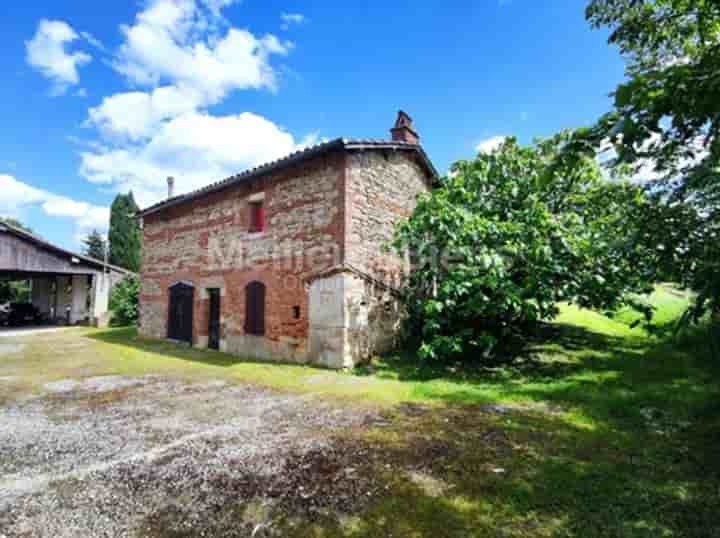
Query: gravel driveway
{"points": [[153, 456]]}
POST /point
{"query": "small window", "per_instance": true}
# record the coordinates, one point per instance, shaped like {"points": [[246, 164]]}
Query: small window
{"points": [[257, 217], [296, 312]]}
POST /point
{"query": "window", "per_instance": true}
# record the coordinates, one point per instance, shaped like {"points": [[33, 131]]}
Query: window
{"points": [[255, 308], [257, 217], [296, 312]]}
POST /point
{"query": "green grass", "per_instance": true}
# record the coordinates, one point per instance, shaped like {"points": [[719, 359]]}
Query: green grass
{"points": [[616, 432], [608, 430]]}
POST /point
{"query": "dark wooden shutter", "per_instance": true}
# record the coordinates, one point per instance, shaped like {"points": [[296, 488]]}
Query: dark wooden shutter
{"points": [[214, 319], [255, 308]]}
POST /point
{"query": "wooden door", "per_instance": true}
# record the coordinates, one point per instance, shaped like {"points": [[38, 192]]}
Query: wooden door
{"points": [[214, 319], [180, 315]]}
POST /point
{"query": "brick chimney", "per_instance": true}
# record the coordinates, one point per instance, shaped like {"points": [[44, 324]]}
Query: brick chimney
{"points": [[404, 131]]}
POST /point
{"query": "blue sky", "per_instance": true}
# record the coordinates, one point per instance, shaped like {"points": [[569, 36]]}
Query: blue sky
{"points": [[99, 98]]}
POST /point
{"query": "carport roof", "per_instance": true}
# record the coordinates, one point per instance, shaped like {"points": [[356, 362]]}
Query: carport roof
{"points": [[42, 243]]}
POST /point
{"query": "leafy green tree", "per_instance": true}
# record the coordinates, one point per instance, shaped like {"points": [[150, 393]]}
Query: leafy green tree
{"points": [[124, 235], [666, 116], [667, 110], [124, 301], [509, 236], [94, 245]]}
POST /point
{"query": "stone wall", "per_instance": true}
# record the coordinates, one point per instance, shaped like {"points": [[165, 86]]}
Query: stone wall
{"points": [[206, 242], [382, 190]]}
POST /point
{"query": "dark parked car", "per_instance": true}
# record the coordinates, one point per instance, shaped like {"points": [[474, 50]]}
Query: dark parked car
{"points": [[22, 313]]}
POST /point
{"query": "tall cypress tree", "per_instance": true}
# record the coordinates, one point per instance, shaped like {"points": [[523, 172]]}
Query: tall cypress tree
{"points": [[124, 235]]}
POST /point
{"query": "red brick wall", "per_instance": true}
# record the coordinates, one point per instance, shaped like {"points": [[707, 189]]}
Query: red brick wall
{"points": [[207, 242]]}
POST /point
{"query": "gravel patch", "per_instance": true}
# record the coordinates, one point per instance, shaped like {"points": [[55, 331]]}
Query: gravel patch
{"points": [[9, 349], [30, 331], [63, 385], [95, 384], [148, 456], [110, 382]]}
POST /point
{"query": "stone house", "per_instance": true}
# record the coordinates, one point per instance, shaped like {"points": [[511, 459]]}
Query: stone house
{"points": [[287, 261]]}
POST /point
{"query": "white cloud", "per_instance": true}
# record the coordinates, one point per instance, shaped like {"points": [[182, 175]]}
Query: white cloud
{"points": [[18, 196], [47, 52], [196, 148], [179, 41], [137, 115], [289, 19], [87, 36], [491, 144], [190, 59]]}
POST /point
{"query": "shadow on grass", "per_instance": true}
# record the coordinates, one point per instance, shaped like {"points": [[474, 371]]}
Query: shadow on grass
{"points": [[549, 353], [610, 380], [638, 454], [128, 337], [523, 473]]}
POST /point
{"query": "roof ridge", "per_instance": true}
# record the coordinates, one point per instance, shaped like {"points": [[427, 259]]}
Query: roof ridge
{"points": [[316, 149], [44, 242]]}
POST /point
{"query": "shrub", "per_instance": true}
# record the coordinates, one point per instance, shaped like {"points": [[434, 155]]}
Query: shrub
{"points": [[124, 301]]}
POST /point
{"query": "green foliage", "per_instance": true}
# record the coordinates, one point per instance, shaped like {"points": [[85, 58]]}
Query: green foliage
{"points": [[667, 113], [95, 245], [16, 223], [511, 235], [124, 235], [15, 291], [667, 110], [124, 301]]}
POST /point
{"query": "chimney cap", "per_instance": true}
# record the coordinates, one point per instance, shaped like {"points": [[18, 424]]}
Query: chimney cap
{"points": [[404, 130], [403, 120]]}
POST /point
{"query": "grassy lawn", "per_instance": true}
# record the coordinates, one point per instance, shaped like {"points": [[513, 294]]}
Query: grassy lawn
{"points": [[595, 429]]}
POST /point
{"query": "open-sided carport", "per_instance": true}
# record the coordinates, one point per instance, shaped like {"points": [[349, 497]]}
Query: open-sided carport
{"points": [[66, 287]]}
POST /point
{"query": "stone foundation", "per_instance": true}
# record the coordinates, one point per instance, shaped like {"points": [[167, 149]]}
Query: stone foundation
{"points": [[352, 319]]}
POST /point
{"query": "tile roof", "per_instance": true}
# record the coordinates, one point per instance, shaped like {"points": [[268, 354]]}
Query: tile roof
{"points": [[293, 158]]}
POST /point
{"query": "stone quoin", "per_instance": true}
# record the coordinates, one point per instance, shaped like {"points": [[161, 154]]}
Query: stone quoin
{"points": [[288, 261]]}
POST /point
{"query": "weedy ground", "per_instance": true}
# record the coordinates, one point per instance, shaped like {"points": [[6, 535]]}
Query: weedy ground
{"points": [[591, 429]]}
